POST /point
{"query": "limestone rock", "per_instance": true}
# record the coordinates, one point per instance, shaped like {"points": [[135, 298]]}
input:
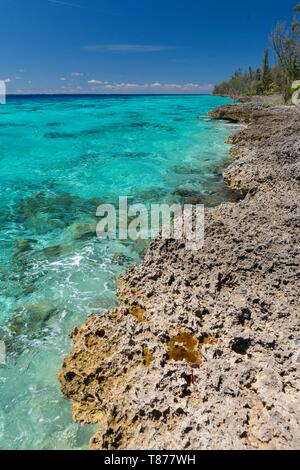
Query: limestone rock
{"points": [[201, 352]]}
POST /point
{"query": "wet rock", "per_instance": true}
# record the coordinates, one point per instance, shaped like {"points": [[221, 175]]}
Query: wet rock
{"points": [[187, 170], [234, 113], [28, 319], [105, 301], [23, 246], [187, 193], [53, 252], [80, 231], [45, 211], [121, 259], [151, 194], [139, 246], [27, 259]]}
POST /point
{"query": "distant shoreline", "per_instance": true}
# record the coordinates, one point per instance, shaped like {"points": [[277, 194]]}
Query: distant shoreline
{"points": [[14, 95]]}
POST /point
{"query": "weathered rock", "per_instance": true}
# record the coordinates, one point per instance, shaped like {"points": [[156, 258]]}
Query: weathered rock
{"points": [[234, 113], [202, 351]]}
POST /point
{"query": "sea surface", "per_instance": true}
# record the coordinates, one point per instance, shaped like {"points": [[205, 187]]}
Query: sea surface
{"points": [[60, 157]]}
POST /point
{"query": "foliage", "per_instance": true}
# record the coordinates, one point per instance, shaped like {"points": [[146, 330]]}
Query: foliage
{"points": [[269, 80]]}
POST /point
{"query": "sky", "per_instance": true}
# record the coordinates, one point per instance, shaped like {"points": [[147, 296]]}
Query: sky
{"points": [[132, 46]]}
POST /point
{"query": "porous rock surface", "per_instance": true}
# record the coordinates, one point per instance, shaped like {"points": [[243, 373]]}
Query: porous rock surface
{"points": [[203, 351]]}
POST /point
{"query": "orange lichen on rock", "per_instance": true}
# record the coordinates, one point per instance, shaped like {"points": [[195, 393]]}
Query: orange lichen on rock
{"points": [[208, 340], [148, 357], [132, 300], [186, 347], [183, 346], [138, 312]]}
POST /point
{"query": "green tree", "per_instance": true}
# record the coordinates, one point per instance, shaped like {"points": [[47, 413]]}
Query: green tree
{"points": [[296, 21], [296, 32], [258, 75], [266, 72], [277, 79], [251, 74], [285, 46]]}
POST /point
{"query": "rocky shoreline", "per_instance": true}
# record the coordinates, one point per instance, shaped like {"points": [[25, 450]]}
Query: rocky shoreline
{"points": [[203, 350]]}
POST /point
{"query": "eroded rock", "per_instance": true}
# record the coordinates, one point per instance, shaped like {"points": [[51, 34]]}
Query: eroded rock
{"points": [[212, 362]]}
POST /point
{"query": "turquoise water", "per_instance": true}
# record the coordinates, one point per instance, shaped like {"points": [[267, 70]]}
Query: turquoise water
{"points": [[59, 158]]}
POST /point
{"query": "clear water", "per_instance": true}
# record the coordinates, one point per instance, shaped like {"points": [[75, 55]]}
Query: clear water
{"points": [[60, 157]]}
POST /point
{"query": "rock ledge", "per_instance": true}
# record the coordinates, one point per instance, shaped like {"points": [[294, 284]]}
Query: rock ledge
{"points": [[203, 351]]}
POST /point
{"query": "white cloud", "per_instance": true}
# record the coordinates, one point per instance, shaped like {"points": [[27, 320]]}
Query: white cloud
{"points": [[127, 48], [105, 87], [76, 74], [96, 82], [70, 4], [62, 79], [155, 87], [66, 4]]}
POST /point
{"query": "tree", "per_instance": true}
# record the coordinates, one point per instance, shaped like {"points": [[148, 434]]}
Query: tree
{"points": [[238, 73], [296, 21], [277, 79], [284, 44], [296, 32], [251, 74], [266, 72], [258, 75]]}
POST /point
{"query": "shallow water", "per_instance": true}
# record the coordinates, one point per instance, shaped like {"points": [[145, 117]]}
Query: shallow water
{"points": [[59, 158]]}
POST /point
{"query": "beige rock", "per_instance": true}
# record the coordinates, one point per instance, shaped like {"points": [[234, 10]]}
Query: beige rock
{"points": [[234, 305]]}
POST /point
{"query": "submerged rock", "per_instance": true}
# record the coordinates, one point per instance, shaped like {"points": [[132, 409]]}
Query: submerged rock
{"points": [[26, 259], [80, 231], [22, 246], [44, 211], [28, 319], [53, 252], [187, 193], [218, 195]]}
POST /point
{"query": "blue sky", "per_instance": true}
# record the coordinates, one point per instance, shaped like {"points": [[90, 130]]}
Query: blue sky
{"points": [[132, 46]]}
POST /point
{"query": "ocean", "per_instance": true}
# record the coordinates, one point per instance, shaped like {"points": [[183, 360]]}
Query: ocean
{"points": [[60, 157]]}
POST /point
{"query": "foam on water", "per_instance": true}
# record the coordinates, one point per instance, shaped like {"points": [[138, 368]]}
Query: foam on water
{"points": [[59, 158]]}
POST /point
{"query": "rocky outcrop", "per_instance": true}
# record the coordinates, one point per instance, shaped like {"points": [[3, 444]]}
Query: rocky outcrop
{"points": [[203, 350]]}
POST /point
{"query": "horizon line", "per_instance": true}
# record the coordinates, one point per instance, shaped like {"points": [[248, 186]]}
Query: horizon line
{"points": [[109, 94]]}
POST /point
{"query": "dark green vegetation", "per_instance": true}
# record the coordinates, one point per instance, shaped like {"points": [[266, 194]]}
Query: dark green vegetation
{"points": [[267, 80]]}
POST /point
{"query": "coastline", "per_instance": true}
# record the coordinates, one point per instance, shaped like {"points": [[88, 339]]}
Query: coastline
{"points": [[234, 303]]}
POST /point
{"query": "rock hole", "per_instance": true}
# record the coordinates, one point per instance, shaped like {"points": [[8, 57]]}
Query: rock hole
{"points": [[241, 345], [69, 376]]}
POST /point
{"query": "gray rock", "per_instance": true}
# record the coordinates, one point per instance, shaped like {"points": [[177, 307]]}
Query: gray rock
{"points": [[233, 307]]}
